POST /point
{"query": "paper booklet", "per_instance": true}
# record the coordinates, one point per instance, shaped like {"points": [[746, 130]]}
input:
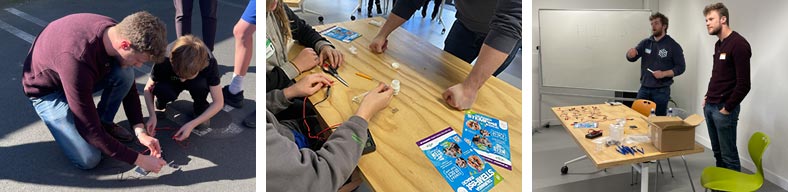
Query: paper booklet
{"points": [[459, 165]]}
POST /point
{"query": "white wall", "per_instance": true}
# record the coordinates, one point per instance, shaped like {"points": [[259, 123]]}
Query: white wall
{"points": [[762, 24], [553, 100]]}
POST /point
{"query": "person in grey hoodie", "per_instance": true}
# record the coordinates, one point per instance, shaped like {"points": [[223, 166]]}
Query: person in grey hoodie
{"points": [[290, 166]]}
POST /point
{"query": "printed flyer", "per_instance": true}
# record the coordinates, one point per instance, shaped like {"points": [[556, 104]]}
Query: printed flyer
{"points": [[489, 137], [460, 165]]}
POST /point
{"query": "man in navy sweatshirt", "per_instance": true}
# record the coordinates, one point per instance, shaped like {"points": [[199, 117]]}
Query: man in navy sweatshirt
{"points": [[729, 84], [662, 60]]}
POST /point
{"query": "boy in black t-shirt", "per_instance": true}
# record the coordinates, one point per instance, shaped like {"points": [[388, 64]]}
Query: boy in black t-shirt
{"points": [[190, 66]]}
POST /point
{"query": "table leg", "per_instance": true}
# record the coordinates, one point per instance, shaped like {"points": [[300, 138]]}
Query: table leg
{"points": [[688, 173], [644, 179], [565, 169], [643, 176], [357, 9]]}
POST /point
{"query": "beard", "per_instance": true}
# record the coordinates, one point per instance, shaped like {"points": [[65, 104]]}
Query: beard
{"points": [[715, 31], [657, 33]]}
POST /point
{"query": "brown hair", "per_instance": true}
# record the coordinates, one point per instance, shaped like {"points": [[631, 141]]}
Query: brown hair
{"points": [[188, 56], [146, 33], [282, 20], [721, 9], [662, 19]]}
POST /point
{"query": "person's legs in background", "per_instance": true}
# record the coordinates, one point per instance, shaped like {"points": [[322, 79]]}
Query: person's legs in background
{"points": [[424, 9], [661, 96], [54, 112], [645, 93], [437, 5], [462, 42], [726, 137], [466, 44], [183, 19], [208, 14], [243, 33], [369, 7], [183, 16], [710, 112]]}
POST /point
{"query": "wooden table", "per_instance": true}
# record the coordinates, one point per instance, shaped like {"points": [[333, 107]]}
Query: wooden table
{"points": [[608, 157], [417, 112]]}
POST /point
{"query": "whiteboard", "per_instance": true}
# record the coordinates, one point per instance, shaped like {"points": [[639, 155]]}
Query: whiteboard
{"points": [[586, 48]]}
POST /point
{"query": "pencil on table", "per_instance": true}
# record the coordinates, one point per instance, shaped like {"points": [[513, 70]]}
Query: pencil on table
{"points": [[365, 76]]}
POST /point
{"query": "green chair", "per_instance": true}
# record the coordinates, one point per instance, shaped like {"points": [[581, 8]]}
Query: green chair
{"points": [[723, 179]]}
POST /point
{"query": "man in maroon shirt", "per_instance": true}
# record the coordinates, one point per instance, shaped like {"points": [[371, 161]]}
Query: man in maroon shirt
{"points": [[78, 55], [729, 84]]}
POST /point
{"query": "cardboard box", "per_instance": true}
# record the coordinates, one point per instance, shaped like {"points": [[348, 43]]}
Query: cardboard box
{"points": [[674, 133]]}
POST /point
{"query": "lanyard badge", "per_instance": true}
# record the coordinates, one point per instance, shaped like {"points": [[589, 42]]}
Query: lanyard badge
{"points": [[269, 48]]}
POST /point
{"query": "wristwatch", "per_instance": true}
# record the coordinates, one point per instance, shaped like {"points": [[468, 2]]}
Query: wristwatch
{"points": [[137, 131]]}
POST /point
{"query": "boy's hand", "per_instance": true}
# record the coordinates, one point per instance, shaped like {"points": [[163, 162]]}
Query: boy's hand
{"points": [[333, 56], [306, 60], [377, 99], [150, 127], [307, 86], [184, 132]]}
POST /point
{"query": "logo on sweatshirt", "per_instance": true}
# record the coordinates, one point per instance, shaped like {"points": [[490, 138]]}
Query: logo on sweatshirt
{"points": [[663, 53]]}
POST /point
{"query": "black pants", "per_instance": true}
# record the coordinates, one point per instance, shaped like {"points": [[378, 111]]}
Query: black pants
{"points": [[369, 5], [183, 19], [168, 91], [466, 44], [436, 7]]}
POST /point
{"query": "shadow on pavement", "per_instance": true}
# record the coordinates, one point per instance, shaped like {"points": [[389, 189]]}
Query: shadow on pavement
{"points": [[226, 152]]}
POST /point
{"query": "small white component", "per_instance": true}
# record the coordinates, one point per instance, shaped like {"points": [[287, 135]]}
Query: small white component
{"points": [[395, 65], [360, 97], [353, 50], [395, 86], [376, 23]]}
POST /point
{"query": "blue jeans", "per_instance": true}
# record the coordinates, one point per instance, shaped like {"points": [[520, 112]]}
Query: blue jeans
{"points": [[53, 109], [466, 44], [722, 133], [660, 96]]}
